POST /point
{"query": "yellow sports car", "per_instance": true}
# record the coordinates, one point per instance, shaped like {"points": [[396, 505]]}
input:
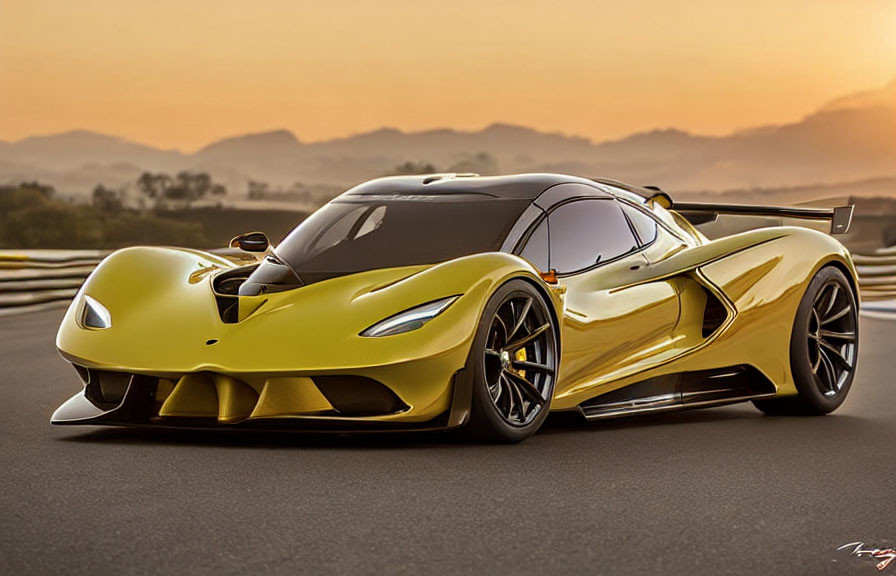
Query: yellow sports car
{"points": [[478, 303]]}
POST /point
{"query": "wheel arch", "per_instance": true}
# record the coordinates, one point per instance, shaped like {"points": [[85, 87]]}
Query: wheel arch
{"points": [[459, 411], [850, 276], [549, 301]]}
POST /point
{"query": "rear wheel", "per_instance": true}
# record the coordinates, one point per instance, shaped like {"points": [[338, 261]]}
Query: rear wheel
{"points": [[823, 347], [514, 358]]}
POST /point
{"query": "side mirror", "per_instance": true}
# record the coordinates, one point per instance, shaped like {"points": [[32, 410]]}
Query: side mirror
{"points": [[251, 242]]}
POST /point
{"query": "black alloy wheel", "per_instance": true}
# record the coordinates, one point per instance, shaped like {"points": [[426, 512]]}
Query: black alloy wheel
{"points": [[515, 366], [824, 347]]}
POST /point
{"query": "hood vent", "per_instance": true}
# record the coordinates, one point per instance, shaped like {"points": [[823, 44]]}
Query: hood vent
{"points": [[226, 287]]}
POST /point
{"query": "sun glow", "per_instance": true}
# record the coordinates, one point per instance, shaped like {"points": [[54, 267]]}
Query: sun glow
{"points": [[179, 74]]}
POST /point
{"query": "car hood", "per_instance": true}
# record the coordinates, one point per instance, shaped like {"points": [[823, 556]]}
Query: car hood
{"points": [[166, 319]]}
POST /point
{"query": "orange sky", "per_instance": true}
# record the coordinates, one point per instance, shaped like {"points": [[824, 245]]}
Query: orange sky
{"points": [[180, 73]]}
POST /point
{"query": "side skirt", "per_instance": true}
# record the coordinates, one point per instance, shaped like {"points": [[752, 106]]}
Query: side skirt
{"points": [[681, 391]]}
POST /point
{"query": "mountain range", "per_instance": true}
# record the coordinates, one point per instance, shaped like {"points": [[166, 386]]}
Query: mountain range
{"points": [[851, 138]]}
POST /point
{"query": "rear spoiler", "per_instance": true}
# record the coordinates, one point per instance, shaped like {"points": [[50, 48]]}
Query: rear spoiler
{"points": [[698, 213]]}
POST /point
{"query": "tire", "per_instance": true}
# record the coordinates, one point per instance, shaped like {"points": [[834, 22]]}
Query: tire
{"points": [[823, 348], [512, 390]]}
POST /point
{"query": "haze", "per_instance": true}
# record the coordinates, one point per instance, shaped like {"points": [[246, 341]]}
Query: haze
{"points": [[178, 74]]}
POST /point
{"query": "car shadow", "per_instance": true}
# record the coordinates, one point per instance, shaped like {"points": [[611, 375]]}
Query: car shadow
{"points": [[259, 438], [557, 425]]}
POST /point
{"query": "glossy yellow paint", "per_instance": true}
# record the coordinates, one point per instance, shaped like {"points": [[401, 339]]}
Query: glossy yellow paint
{"points": [[286, 397], [625, 321], [760, 277], [194, 396], [164, 325]]}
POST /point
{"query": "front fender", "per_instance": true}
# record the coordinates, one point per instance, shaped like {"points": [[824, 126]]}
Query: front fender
{"points": [[164, 316]]}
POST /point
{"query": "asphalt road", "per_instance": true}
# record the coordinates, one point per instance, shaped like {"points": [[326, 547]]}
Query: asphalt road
{"points": [[721, 491]]}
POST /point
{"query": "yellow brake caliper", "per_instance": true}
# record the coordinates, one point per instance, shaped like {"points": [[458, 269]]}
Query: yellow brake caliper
{"points": [[521, 356]]}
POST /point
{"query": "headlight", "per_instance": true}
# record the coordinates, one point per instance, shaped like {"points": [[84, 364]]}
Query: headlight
{"points": [[409, 319], [94, 314]]}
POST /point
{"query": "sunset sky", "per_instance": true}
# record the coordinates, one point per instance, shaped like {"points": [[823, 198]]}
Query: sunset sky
{"points": [[180, 73]]}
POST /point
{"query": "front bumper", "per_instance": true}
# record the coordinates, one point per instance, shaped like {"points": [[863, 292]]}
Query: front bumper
{"points": [[218, 401]]}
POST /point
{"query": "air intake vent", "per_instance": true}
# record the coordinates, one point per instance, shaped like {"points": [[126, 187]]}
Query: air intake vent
{"points": [[207, 395], [228, 309], [714, 315], [358, 396], [227, 286], [106, 389]]}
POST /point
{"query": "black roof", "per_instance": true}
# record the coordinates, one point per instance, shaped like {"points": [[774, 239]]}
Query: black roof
{"points": [[517, 186]]}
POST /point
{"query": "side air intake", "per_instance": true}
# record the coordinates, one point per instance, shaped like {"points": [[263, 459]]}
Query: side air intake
{"points": [[714, 314]]}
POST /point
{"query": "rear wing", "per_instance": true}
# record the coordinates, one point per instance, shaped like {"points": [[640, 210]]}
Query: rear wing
{"points": [[699, 213]]}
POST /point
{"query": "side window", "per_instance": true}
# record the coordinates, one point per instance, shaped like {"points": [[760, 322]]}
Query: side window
{"points": [[536, 250], [644, 225], [586, 232]]}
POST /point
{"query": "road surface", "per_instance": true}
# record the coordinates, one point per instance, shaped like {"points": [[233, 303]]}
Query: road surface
{"points": [[720, 491]]}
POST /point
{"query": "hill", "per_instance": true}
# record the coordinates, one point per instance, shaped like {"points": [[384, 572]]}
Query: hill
{"points": [[851, 138]]}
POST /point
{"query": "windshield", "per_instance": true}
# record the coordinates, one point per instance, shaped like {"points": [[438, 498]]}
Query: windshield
{"points": [[356, 234]]}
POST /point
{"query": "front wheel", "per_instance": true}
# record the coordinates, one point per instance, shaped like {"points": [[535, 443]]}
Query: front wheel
{"points": [[823, 347], [514, 359]]}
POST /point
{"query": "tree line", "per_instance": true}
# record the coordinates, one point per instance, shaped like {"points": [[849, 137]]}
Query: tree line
{"points": [[32, 215], [160, 192]]}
